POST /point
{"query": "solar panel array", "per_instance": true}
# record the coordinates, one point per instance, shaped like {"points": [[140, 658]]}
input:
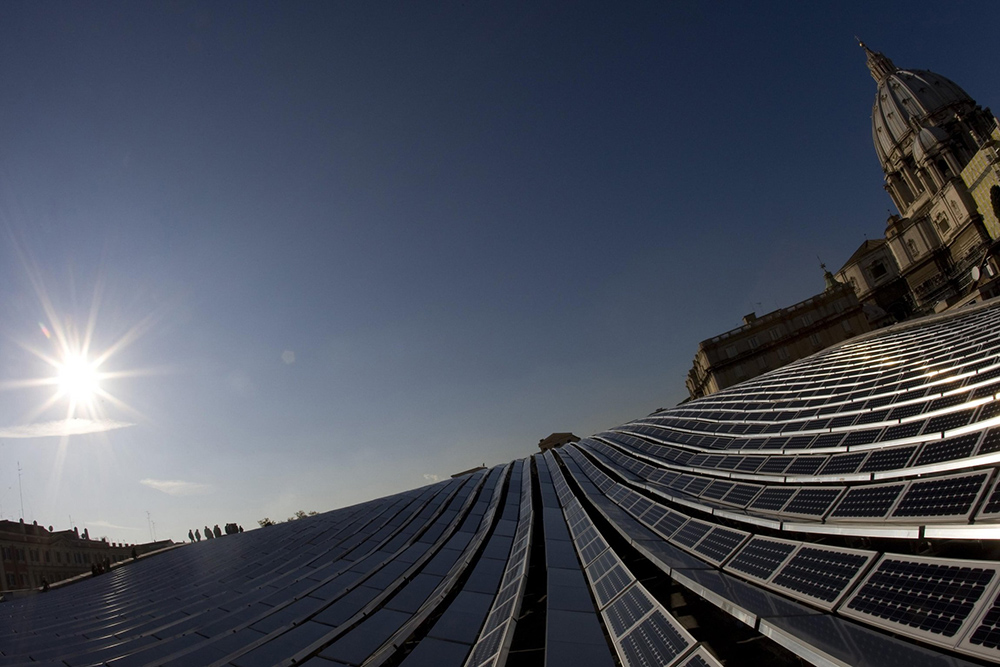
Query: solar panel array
{"points": [[845, 507]]}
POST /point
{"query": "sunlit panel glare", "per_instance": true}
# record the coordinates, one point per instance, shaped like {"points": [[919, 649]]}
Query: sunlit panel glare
{"points": [[78, 378]]}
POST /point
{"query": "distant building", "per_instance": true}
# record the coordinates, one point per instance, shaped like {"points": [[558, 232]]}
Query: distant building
{"points": [[874, 275], [938, 150], [30, 553], [778, 338], [556, 440]]}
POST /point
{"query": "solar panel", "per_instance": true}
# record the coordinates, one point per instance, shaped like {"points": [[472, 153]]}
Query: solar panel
{"points": [[741, 494], [843, 464], [949, 421], [983, 637], [991, 508], [692, 531], [592, 549], [947, 450], [654, 514], [614, 581], [761, 557], [991, 442], [669, 524], [602, 565], [697, 486], [628, 609], [700, 657], [775, 465], [888, 459], [773, 498], [717, 489], [821, 575], [656, 641], [720, 543], [750, 463], [902, 431], [805, 465], [941, 498], [906, 411], [812, 501], [931, 599], [867, 502]]}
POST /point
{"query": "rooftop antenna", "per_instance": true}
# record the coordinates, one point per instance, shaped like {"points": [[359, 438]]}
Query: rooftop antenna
{"points": [[149, 522], [20, 490]]}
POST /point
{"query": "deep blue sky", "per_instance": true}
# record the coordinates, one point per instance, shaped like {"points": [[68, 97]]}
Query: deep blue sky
{"points": [[473, 224]]}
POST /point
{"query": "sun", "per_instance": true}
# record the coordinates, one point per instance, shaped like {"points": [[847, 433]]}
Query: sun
{"points": [[78, 378]]}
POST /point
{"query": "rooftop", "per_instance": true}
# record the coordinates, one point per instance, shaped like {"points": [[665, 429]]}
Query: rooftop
{"points": [[787, 508]]}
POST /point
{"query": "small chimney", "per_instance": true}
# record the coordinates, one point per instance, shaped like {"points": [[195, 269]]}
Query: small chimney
{"points": [[749, 319]]}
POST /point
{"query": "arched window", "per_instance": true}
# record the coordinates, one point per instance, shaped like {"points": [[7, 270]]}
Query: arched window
{"points": [[995, 200]]}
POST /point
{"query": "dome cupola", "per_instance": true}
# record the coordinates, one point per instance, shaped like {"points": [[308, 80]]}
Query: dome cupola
{"points": [[904, 103]]}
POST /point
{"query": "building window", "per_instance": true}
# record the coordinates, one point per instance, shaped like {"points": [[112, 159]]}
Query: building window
{"points": [[775, 334], [878, 269], [814, 339], [942, 223], [847, 325], [783, 354], [740, 371], [731, 351], [762, 363], [753, 342]]}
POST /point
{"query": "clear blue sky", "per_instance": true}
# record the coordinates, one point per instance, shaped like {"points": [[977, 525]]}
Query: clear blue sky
{"points": [[366, 244]]}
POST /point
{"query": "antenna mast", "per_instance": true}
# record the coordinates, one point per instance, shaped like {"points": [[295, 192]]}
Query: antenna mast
{"points": [[20, 490]]}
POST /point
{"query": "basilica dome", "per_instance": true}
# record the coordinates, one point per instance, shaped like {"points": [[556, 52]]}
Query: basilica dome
{"points": [[904, 102]]}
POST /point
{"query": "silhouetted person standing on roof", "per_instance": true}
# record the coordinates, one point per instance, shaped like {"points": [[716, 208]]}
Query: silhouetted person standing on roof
{"points": [[191, 536], [218, 531], [208, 533], [197, 535]]}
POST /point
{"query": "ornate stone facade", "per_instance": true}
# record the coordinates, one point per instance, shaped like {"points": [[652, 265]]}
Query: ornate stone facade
{"points": [[938, 150]]}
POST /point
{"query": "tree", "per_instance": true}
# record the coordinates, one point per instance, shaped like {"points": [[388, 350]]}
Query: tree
{"points": [[299, 514]]}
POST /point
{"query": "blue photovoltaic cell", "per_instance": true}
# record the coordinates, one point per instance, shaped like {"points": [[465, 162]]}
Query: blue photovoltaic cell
{"points": [[820, 573], [761, 557], [691, 533], [868, 502], [654, 642], [950, 496], [931, 597], [624, 612], [772, 499], [611, 584], [720, 543], [812, 501]]}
